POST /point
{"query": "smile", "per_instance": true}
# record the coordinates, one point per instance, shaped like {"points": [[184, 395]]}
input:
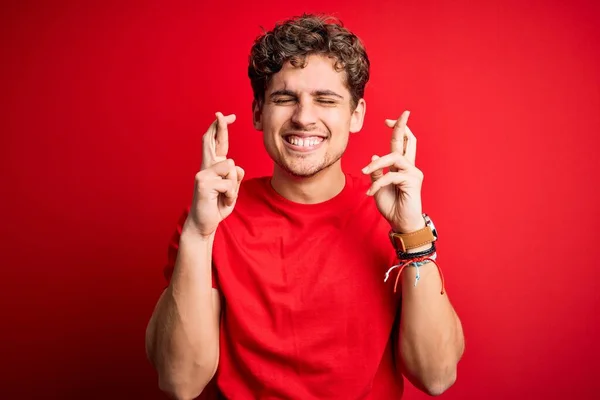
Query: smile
{"points": [[303, 143]]}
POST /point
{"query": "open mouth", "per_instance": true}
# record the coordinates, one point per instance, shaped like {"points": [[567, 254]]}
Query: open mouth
{"points": [[304, 142]]}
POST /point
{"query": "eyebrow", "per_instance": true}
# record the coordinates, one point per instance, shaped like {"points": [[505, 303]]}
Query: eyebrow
{"points": [[286, 92]]}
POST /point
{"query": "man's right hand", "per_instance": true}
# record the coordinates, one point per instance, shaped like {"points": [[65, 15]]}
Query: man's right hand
{"points": [[217, 184]]}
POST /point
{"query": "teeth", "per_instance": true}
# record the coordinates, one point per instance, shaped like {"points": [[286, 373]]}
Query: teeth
{"points": [[306, 142]]}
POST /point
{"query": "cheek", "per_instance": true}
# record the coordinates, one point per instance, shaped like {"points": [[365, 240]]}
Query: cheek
{"points": [[337, 122], [272, 125], [273, 120]]}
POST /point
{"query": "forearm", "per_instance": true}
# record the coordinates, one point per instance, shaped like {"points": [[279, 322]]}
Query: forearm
{"points": [[431, 337], [183, 334]]}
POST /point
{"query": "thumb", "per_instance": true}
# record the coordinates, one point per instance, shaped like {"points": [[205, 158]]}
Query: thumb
{"points": [[378, 173], [240, 174]]}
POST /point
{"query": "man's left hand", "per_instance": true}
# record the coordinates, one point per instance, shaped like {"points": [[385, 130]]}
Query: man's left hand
{"points": [[398, 192]]}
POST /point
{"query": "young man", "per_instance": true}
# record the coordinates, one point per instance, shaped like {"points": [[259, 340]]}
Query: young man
{"points": [[276, 285]]}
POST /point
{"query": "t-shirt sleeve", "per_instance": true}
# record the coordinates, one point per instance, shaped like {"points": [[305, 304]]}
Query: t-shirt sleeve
{"points": [[173, 248]]}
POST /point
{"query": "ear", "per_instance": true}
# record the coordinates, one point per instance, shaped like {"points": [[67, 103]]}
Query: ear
{"points": [[257, 115], [358, 116]]}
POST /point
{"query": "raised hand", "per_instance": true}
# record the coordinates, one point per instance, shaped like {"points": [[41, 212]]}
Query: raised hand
{"points": [[398, 192], [218, 181]]}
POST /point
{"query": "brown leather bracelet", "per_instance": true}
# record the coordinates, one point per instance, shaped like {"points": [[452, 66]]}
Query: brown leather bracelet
{"points": [[407, 241]]}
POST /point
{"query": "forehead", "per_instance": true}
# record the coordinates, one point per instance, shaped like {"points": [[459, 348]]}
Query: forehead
{"points": [[318, 74]]}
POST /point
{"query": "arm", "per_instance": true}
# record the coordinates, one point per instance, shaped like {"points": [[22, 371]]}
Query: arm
{"points": [[431, 339], [182, 338]]}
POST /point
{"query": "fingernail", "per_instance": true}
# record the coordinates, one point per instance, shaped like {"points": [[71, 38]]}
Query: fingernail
{"points": [[365, 170]]}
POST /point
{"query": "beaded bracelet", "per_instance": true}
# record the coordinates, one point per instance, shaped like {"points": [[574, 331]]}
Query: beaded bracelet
{"points": [[416, 262]]}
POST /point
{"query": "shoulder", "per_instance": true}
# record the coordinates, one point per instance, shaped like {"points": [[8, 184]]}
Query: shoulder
{"points": [[253, 190], [253, 199], [357, 187], [254, 186], [359, 183], [363, 207]]}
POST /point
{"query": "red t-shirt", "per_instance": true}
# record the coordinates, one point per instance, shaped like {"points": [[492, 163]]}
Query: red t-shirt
{"points": [[305, 312]]}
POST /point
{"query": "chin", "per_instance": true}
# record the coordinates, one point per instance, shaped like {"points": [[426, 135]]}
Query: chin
{"points": [[301, 171], [306, 169]]}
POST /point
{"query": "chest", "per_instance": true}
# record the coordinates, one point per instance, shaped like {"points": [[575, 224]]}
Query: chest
{"points": [[308, 270]]}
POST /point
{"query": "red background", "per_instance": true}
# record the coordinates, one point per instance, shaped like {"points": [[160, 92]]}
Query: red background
{"points": [[103, 108]]}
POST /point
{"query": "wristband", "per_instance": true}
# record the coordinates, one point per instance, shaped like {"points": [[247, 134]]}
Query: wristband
{"points": [[407, 256], [416, 261]]}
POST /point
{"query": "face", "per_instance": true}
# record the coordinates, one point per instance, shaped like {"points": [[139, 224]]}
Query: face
{"points": [[307, 117]]}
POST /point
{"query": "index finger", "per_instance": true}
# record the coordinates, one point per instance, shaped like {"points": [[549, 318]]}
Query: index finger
{"points": [[411, 146], [398, 143], [222, 136], [215, 143]]}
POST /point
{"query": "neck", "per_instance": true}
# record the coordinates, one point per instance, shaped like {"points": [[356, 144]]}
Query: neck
{"points": [[323, 186]]}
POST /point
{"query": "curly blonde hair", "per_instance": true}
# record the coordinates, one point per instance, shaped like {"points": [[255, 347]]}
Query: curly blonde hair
{"points": [[296, 38]]}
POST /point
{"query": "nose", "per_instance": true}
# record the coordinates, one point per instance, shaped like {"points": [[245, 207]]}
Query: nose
{"points": [[305, 114]]}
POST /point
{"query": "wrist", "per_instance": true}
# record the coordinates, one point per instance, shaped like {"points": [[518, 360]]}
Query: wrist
{"points": [[414, 240], [409, 227], [420, 249], [190, 232]]}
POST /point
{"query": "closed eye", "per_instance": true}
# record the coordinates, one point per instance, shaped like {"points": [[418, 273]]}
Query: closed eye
{"points": [[283, 100], [327, 101]]}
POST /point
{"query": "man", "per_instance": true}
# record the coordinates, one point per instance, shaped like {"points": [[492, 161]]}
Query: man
{"points": [[276, 286]]}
